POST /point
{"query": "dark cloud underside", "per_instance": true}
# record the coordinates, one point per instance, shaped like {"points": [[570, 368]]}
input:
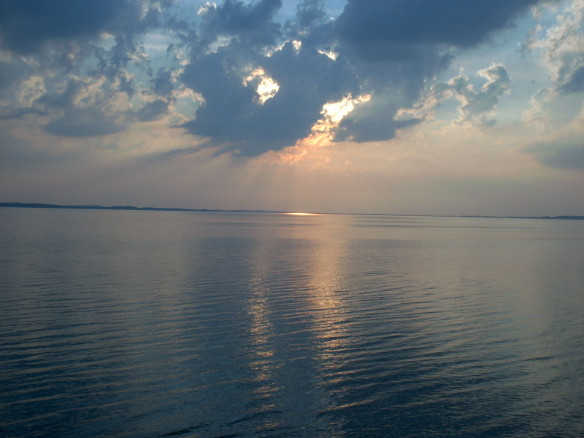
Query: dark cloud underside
{"points": [[233, 114], [25, 25], [562, 154], [461, 23], [83, 124], [387, 50]]}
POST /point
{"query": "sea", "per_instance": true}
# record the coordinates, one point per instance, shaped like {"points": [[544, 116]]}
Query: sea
{"points": [[203, 324]]}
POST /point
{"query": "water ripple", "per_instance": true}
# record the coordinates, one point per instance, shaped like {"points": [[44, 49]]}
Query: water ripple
{"points": [[151, 324]]}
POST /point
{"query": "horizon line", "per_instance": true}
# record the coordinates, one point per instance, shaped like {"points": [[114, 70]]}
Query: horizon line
{"points": [[207, 210]]}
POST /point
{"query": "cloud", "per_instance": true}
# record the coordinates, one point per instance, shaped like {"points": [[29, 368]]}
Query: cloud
{"points": [[394, 29], [232, 111], [257, 83], [563, 48], [163, 83], [62, 98], [236, 17], [398, 46], [373, 121], [387, 50], [477, 107], [25, 26], [30, 89], [575, 82], [310, 12], [10, 72], [84, 55], [392, 86], [559, 153], [152, 110], [88, 123], [306, 77], [250, 22]]}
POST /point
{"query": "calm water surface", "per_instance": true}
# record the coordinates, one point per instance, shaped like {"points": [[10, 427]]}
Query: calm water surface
{"points": [[168, 324]]}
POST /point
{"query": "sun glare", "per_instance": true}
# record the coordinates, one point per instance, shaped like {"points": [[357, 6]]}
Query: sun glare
{"points": [[334, 112], [267, 87], [302, 214]]}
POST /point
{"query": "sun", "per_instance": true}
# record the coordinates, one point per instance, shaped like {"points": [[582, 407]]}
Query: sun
{"points": [[302, 214]]}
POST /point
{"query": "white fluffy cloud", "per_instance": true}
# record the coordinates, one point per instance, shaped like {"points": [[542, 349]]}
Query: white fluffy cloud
{"points": [[562, 47], [476, 107]]}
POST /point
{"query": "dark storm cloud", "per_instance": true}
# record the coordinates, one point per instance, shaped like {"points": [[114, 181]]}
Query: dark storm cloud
{"points": [[310, 12], [307, 80], [232, 113], [86, 123], [386, 28], [392, 85], [397, 45], [386, 49], [252, 22], [235, 17], [372, 121], [25, 25]]}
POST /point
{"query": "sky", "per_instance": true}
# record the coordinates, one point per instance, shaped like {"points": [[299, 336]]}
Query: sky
{"points": [[440, 107]]}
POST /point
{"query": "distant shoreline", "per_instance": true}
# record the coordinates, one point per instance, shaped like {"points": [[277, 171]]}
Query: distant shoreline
{"points": [[132, 208], [124, 207]]}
